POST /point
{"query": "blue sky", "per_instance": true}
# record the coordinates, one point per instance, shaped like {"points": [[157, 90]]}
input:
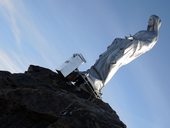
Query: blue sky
{"points": [[47, 32]]}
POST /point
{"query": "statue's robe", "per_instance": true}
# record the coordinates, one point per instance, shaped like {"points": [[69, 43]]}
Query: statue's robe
{"points": [[120, 52]]}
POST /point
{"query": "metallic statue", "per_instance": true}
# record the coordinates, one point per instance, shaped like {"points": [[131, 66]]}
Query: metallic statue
{"points": [[121, 52]]}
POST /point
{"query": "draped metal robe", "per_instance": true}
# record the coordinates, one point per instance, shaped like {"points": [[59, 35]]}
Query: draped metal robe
{"points": [[119, 53]]}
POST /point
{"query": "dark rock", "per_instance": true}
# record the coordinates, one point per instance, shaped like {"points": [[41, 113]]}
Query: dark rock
{"points": [[40, 98]]}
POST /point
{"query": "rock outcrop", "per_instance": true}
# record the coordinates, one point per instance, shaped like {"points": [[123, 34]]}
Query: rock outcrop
{"points": [[40, 98]]}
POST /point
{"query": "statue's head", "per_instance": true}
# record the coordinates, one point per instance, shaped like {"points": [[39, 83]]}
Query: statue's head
{"points": [[154, 23]]}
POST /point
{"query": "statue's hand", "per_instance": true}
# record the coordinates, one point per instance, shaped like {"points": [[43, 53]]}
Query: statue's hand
{"points": [[130, 37], [75, 54]]}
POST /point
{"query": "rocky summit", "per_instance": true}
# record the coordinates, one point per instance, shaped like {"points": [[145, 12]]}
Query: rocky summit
{"points": [[41, 98]]}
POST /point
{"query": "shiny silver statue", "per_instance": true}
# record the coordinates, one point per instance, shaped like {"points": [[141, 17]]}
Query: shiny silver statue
{"points": [[121, 52]]}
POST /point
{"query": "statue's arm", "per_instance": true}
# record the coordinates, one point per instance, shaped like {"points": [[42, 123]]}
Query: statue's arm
{"points": [[145, 38]]}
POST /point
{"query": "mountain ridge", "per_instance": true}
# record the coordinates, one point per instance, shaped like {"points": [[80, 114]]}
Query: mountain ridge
{"points": [[41, 98]]}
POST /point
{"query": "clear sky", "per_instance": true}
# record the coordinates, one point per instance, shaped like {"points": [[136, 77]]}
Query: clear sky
{"points": [[47, 32]]}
